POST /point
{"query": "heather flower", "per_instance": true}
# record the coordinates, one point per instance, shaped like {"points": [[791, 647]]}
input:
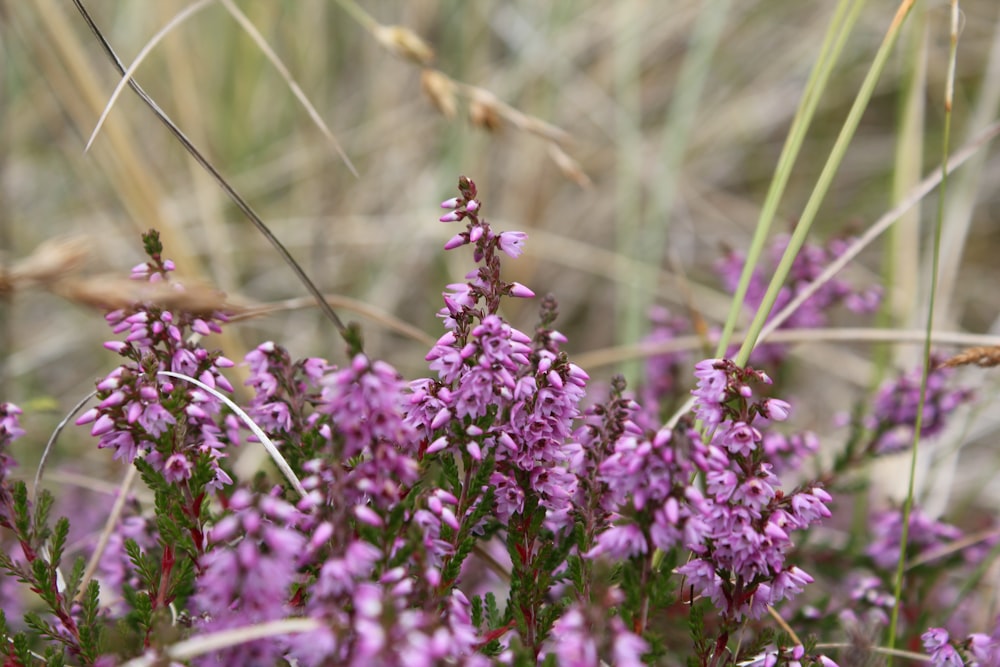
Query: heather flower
{"points": [[809, 262], [583, 641], [942, 653], [173, 423], [984, 649], [925, 535], [488, 370], [283, 391], [10, 430], [894, 414], [379, 623], [746, 519], [361, 410], [365, 401], [646, 486], [246, 576], [10, 426]]}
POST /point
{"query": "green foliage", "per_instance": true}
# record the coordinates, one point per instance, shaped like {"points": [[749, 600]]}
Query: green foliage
{"points": [[151, 243], [701, 644], [22, 512], [75, 577], [89, 623], [140, 617]]}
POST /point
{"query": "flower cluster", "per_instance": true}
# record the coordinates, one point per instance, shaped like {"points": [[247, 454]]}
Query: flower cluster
{"points": [[745, 519], [247, 575], [980, 650], [807, 266], [173, 424], [893, 419], [925, 535], [479, 516], [578, 644], [646, 476], [10, 430], [284, 391], [491, 373]]}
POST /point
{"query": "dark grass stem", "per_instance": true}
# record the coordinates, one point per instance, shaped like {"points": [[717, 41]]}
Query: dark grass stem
{"points": [[350, 337]]}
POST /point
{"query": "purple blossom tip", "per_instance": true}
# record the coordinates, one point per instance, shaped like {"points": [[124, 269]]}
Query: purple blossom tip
{"points": [[450, 203], [367, 515], [456, 241], [521, 292], [87, 417], [116, 346], [451, 216]]}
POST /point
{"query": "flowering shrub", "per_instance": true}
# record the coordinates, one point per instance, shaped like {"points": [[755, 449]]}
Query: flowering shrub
{"points": [[489, 513]]}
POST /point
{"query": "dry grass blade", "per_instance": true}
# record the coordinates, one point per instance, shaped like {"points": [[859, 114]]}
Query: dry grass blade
{"points": [[346, 303], [112, 292], [110, 524], [569, 167], [213, 641], [984, 356], [51, 262], [293, 85], [614, 355], [181, 16]]}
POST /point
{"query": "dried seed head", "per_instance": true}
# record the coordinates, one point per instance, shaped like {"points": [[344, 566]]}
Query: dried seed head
{"points": [[404, 43], [985, 356], [441, 91], [487, 111], [483, 113], [51, 261]]}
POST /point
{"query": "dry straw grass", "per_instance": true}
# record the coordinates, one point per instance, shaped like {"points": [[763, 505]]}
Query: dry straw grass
{"points": [[578, 121]]}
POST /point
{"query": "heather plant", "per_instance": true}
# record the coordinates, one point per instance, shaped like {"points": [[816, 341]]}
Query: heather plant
{"points": [[497, 498], [489, 513]]}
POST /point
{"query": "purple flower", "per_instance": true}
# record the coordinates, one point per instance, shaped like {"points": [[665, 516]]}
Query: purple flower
{"points": [[141, 411], [925, 535], [894, 414], [10, 426], [984, 649], [744, 522], [365, 402], [512, 243], [942, 653], [246, 577], [620, 543], [810, 261]]}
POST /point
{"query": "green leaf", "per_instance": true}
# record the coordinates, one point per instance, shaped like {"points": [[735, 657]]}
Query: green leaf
{"points": [[57, 543]]}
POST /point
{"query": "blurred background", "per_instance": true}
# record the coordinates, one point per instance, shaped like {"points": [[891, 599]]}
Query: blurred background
{"points": [[633, 141]]}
